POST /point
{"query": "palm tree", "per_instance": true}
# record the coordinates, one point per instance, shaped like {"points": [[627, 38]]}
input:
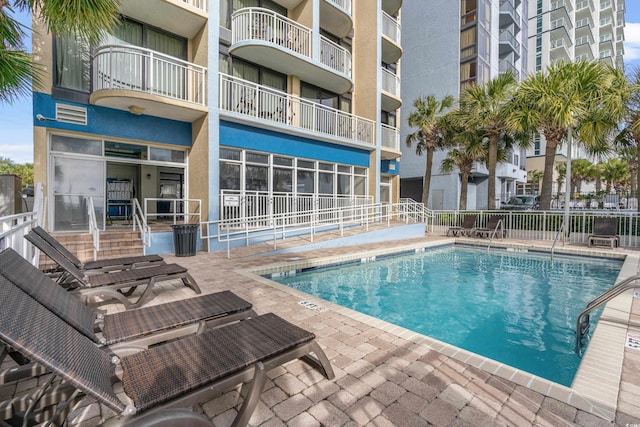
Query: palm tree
{"points": [[629, 137], [470, 149], [86, 19], [485, 108], [580, 172], [428, 117], [615, 172], [561, 171], [586, 97], [534, 176]]}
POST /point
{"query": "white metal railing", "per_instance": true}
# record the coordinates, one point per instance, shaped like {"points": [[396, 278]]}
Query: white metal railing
{"points": [[140, 224], [262, 102], [507, 7], [390, 137], [343, 4], [390, 27], [144, 70], [186, 211], [278, 226], [254, 23], [254, 204], [335, 56], [93, 227], [506, 36], [13, 228], [198, 4], [390, 82], [544, 225]]}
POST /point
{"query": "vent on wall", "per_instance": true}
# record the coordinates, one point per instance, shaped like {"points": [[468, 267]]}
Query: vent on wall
{"points": [[71, 114]]}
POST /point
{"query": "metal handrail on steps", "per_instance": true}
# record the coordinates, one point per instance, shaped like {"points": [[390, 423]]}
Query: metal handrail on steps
{"points": [[140, 223], [582, 323], [93, 227]]}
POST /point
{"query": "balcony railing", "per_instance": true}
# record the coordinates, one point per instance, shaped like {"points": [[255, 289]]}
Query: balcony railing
{"points": [[138, 69], [506, 66], [390, 27], [507, 7], [198, 4], [390, 137], [265, 25], [262, 102], [507, 36], [335, 56], [390, 83], [262, 24], [343, 4]]}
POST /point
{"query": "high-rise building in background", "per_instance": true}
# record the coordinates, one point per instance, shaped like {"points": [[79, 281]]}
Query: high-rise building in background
{"points": [[572, 30], [448, 46], [236, 105]]}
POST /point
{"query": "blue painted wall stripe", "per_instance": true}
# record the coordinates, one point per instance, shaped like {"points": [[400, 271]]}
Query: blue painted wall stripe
{"points": [[110, 122], [248, 137]]}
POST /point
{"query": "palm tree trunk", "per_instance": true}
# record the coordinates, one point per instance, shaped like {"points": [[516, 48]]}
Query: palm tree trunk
{"points": [[547, 178], [427, 178], [493, 161], [464, 185]]}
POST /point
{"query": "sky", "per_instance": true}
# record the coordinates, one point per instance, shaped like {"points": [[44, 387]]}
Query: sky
{"points": [[16, 119]]}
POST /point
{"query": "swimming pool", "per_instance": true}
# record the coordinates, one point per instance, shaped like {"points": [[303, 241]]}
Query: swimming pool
{"points": [[519, 309]]}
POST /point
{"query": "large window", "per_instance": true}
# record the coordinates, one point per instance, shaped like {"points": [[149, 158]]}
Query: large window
{"points": [[251, 171], [227, 7], [72, 63]]}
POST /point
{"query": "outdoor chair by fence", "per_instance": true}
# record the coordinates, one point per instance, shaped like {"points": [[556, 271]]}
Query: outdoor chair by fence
{"points": [[464, 229], [155, 382], [121, 331], [111, 284], [605, 229], [494, 223], [48, 243]]}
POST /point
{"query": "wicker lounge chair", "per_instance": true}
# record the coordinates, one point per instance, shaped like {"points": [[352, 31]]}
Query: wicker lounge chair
{"points": [[47, 243], [111, 284], [492, 222], [605, 229], [173, 375], [142, 327], [466, 228]]}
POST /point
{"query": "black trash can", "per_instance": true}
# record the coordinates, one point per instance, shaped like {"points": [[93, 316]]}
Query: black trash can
{"points": [[184, 239]]}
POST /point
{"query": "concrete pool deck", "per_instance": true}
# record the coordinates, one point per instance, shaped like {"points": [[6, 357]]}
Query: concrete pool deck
{"points": [[387, 375]]}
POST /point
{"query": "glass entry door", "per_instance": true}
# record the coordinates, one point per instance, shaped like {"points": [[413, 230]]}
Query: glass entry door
{"points": [[74, 181]]}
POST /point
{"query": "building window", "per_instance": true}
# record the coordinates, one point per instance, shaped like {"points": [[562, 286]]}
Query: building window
{"points": [[538, 43], [468, 41], [72, 63], [469, 11], [227, 7], [536, 146], [538, 62]]}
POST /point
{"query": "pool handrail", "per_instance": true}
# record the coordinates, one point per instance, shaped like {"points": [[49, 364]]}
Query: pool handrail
{"points": [[495, 230], [582, 323], [555, 240]]}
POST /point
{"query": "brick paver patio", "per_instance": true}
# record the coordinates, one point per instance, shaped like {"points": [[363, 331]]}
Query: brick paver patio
{"points": [[382, 378]]}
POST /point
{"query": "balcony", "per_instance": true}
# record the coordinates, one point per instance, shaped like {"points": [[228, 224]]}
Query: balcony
{"points": [[390, 139], [584, 50], [508, 43], [335, 17], [274, 41], [505, 67], [391, 6], [289, 4], [182, 17], [391, 50], [391, 100], [144, 81], [506, 170], [559, 49], [263, 106], [508, 14]]}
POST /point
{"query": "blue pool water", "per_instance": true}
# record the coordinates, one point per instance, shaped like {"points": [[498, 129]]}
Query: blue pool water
{"points": [[519, 309]]}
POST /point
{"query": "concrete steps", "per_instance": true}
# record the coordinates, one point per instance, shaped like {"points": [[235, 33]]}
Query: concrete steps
{"points": [[113, 244]]}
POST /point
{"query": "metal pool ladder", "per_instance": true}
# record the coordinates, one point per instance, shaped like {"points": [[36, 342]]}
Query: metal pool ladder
{"points": [[555, 240], [582, 324], [495, 230]]}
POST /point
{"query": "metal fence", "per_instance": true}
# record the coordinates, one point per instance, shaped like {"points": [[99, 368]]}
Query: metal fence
{"points": [[544, 225]]}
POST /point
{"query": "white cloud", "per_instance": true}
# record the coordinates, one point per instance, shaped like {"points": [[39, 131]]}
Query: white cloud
{"points": [[632, 43]]}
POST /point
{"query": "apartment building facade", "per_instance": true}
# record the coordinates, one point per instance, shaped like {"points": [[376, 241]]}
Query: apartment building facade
{"points": [[211, 104], [571, 30], [449, 46]]}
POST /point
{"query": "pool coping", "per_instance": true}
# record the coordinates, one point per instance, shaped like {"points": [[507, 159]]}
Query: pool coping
{"points": [[596, 385]]}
